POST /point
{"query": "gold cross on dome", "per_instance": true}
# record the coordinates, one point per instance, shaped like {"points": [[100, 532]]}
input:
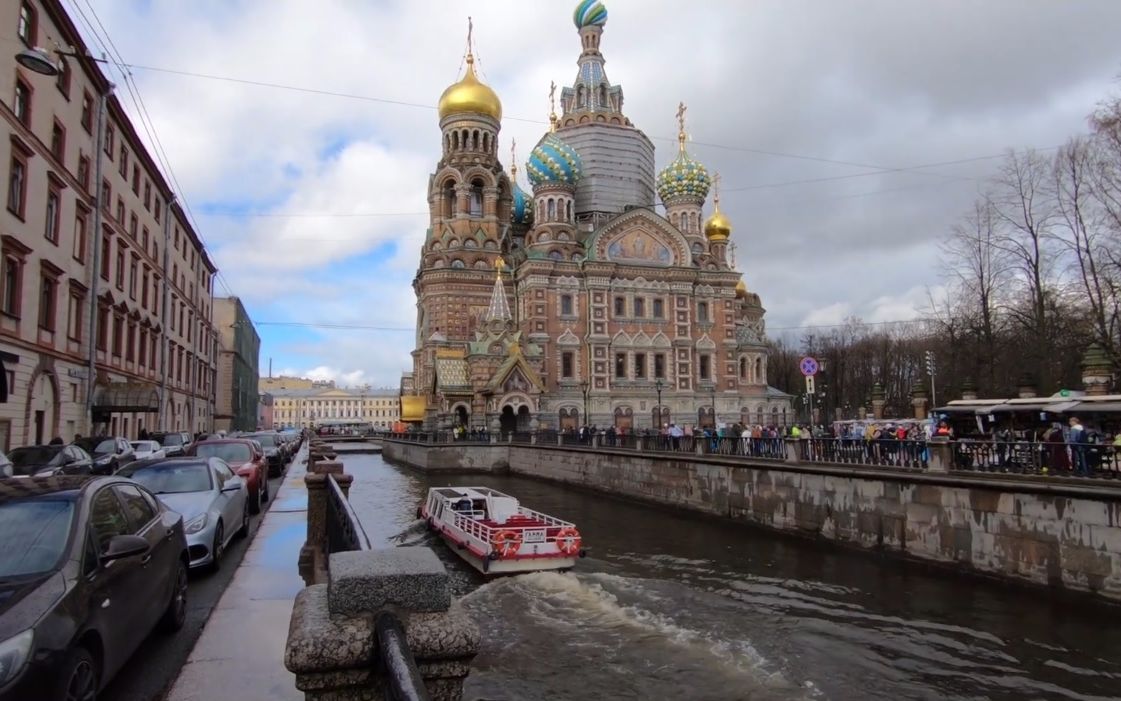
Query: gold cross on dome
{"points": [[681, 108]]}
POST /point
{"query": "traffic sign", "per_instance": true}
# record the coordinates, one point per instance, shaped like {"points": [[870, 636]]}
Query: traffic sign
{"points": [[809, 384], [808, 366]]}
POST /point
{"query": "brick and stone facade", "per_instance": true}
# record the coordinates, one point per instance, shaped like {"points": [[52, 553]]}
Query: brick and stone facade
{"points": [[618, 313]]}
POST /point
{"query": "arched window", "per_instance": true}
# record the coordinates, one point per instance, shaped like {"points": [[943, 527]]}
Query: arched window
{"points": [[455, 140], [449, 199], [568, 211], [475, 202], [580, 96], [486, 142], [676, 219], [759, 379], [603, 96], [743, 368], [475, 140], [457, 263], [540, 216], [552, 209]]}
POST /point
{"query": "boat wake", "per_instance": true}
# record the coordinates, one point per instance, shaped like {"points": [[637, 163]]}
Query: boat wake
{"points": [[415, 534], [598, 635]]}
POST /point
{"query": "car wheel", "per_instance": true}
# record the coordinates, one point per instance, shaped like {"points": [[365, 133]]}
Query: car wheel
{"points": [[218, 548], [77, 680], [255, 501], [244, 530], [176, 612]]}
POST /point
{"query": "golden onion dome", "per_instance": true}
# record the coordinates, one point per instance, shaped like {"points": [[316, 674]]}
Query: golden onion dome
{"points": [[470, 95], [717, 227], [741, 289]]}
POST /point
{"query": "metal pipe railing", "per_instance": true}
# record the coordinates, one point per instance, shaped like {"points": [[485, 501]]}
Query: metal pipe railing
{"points": [[402, 677], [344, 530]]}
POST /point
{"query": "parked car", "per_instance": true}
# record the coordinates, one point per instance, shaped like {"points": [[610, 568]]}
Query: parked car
{"points": [[213, 501], [5, 466], [273, 449], [148, 449], [46, 460], [88, 567], [109, 454], [173, 442], [246, 459]]}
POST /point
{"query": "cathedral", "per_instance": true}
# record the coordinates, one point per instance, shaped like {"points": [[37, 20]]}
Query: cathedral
{"points": [[602, 295]]}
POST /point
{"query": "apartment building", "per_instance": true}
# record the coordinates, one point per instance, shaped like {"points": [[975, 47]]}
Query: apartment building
{"points": [[123, 289], [239, 349]]}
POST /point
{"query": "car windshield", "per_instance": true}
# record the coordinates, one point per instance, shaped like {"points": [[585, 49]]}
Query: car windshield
{"points": [[25, 461], [173, 439], [230, 452], [147, 446], [172, 478], [266, 441], [97, 446], [35, 534]]}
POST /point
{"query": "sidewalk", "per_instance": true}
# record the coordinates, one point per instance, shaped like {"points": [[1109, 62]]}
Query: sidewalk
{"points": [[240, 654]]}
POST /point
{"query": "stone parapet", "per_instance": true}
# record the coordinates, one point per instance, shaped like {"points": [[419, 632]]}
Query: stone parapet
{"points": [[412, 579]]}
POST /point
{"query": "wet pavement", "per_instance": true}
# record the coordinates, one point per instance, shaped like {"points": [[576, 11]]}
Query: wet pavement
{"points": [[240, 654]]}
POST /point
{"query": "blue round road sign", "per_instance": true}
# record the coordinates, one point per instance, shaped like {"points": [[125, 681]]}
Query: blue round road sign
{"points": [[808, 366]]}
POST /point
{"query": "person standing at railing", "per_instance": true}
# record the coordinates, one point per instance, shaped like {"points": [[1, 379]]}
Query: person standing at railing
{"points": [[1078, 443]]}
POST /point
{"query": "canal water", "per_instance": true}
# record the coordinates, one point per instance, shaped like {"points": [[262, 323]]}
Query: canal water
{"points": [[671, 606]]}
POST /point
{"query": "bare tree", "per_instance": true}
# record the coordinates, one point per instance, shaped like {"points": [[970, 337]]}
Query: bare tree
{"points": [[1080, 228]]}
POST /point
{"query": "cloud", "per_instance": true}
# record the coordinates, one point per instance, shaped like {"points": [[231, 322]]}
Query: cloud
{"points": [[843, 95]]}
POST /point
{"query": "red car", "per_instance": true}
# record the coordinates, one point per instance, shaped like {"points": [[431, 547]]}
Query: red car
{"points": [[244, 457]]}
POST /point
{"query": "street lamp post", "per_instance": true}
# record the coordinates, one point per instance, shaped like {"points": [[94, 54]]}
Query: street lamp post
{"points": [[658, 389], [38, 60], [584, 389]]}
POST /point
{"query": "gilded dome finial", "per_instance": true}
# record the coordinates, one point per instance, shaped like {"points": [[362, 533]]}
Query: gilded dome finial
{"points": [[553, 107], [499, 264], [681, 108], [470, 94], [717, 226], [514, 159]]}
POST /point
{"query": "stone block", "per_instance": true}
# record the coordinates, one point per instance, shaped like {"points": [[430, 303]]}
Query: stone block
{"points": [[367, 581]]}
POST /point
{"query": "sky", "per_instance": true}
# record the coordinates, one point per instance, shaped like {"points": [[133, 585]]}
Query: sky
{"points": [[850, 136]]}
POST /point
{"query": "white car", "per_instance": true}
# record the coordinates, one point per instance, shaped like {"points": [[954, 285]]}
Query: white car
{"points": [[147, 449]]}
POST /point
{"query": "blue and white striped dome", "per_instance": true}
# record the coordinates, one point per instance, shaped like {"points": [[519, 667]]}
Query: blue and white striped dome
{"points": [[553, 161], [589, 13], [523, 207]]}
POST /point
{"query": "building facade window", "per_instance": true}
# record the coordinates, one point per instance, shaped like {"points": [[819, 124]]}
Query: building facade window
{"points": [[21, 103], [13, 285], [620, 306], [106, 257], [620, 365], [81, 222], [640, 366], [87, 112], [705, 367], [84, 172], [17, 184], [25, 29], [62, 82], [53, 214], [74, 325], [568, 364], [659, 309], [566, 305], [132, 271], [110, 140], [639, 307], [122, 162], [102, 328], [58, 141], [118, 335], [48, 296], [702, 311], [120, 268], [660, 366]]}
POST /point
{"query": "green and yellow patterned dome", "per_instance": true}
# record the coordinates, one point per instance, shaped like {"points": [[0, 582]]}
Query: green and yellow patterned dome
{"points": [[683, 177], [589, 13]]}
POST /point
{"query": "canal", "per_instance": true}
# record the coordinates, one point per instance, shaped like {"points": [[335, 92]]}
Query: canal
{"points": [[671, 606]]}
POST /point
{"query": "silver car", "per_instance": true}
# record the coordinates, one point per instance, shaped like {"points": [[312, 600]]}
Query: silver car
{"points": [[213, 501], [148, 449]]}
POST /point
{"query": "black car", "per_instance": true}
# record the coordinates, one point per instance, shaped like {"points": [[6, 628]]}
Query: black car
{"points": [[109, 454], [174, 442], [88, 567], [47, 460], [273, 449]]}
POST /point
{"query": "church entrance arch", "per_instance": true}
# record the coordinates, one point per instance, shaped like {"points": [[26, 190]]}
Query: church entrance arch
{"points": [[523, 418], [569, 419], [624, 418], [461, 416], [508, 420]]}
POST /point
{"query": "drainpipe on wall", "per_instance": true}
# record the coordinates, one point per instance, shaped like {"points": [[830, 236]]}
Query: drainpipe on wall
{"points": [[95, 247], [164, 315]]}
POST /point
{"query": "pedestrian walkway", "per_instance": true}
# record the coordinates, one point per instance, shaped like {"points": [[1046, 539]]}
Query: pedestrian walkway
{"points": [[240, 654]]}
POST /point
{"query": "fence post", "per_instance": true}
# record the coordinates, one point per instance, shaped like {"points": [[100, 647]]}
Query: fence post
{"points": [[941, 454], [793, 450]]}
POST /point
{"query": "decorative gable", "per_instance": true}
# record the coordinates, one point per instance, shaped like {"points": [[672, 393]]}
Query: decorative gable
{"points": [[640, 237]]}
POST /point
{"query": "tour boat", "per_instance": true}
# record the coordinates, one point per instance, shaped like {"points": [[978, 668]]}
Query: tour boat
{"points": [[496, 535]]}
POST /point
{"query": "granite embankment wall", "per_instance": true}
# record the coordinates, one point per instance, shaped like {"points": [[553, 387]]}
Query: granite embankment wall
{"points": [[1037, 530]]}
